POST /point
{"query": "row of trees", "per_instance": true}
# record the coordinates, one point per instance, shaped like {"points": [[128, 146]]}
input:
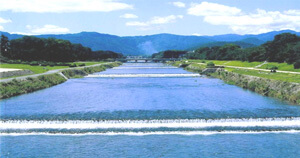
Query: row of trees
{"points": [[30, 48], [284, 48]]}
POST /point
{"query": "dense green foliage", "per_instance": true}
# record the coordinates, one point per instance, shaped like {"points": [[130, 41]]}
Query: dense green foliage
{"points": [[284, 48], [16, 87], [29, 48], [210, 64], [169, 54], [297, 64]]}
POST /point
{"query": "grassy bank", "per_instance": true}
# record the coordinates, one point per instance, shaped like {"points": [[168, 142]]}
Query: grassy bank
{"points": [[41, 69], [285, 77], [283, 86], [287, 91], [280, 66], [17, 87], [80, 72]]}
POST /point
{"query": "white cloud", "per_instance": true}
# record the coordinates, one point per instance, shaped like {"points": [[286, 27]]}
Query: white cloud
{"points": [[212, 9], [165, 20], [197, 34], [129, 16], [179, 4], [292, 12], [22, 33], [260, 21], [47, 29], [4, 20], [154, 21], [136, 23], [61, 6]]}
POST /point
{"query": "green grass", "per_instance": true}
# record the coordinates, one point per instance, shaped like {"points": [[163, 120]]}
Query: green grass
{"points": [[15, 87], [35, 69], [275, 76], [281, 66], [216, 62], [90, 63], [230, 63], [243, 63], [198, 65], [42, 69]]}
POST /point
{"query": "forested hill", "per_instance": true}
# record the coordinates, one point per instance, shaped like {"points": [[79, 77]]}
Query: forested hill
{"points": [[147, 45]]}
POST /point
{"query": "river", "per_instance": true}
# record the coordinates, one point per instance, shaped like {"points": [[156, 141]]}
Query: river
{"points": [[148, 110]]}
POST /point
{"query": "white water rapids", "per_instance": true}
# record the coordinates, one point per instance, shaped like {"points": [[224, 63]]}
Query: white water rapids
{"points": [[143, 75], [140, 124], [144, 67]]}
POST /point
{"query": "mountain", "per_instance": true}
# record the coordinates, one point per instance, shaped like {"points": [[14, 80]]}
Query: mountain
{"points": [[262, 37], [221, 43], [147, 45]]}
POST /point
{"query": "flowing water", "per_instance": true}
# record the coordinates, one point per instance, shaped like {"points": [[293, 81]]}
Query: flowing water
{"points": [[147, 110]]}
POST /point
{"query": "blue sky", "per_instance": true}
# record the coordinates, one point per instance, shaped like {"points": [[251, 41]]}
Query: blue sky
{"points": [[146, 17]]}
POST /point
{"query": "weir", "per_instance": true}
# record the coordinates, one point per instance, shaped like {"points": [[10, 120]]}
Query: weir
{"points": [[145, 68], [143, 75], [152, 133], [138, 124]]}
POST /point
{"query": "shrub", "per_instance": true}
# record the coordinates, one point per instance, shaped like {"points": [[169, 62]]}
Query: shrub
{"points": [[184, 65], [297, 64], [72, 65], [16, 62], [10, 61], [203, 61], [83, 64], [210, 65], [33, 63], [272, 67], [24, 62], [65, 64]]}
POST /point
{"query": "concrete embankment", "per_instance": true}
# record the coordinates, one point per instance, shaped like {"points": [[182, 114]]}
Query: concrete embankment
{"points": [[30, 84], [286, 91]]}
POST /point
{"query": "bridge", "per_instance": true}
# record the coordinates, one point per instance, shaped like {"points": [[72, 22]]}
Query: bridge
{"points": [[147, 60]]}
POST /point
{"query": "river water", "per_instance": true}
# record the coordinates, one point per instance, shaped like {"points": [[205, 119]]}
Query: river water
{"points": [[147, 110]]}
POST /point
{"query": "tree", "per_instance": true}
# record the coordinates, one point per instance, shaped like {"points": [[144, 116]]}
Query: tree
{"points": [[297, 64], [5, 46], [210, 65], [255, 54], [276, 50]]}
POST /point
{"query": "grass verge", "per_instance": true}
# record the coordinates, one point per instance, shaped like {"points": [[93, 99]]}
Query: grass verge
{"points": [[17, 87], [274, 76]]}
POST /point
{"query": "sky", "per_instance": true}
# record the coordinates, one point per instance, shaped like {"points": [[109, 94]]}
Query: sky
{"points": [[147, 17]]}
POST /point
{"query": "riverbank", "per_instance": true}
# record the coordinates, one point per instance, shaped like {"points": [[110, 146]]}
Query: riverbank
{"points": [[30, 84], [278, 88]]}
